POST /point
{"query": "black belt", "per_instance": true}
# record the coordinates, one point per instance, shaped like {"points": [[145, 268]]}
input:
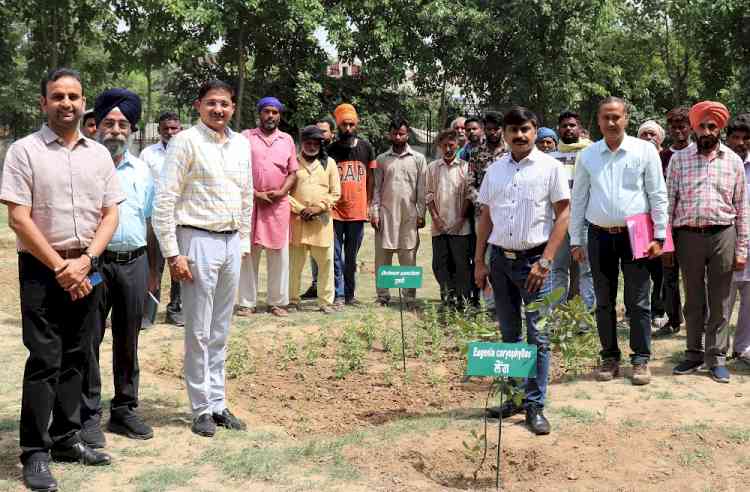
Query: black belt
{"points": [[712, 229], [231, 231], [512, 254], [611, 230], [123, 256]]}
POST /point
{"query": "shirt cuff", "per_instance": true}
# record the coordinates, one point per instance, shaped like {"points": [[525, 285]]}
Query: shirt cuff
{"points": [[170, 249]]}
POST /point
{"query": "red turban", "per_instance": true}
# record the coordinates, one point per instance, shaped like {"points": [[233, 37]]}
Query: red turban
{"points": [[711, 109], [345, 112]]}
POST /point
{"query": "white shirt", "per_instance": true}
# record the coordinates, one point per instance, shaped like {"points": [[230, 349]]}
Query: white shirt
{"points": [[520, 197], [154, 155], [744, 275]]}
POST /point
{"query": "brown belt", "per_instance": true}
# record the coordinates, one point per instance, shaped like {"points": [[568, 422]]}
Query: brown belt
{"points": [[707, 229], [70, 254], [611, 230]]}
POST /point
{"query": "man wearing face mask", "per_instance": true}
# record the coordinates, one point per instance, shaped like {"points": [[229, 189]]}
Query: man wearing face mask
{"points": [[124, 267], [315, 191], [708, 211], [274, 171], [355, 159]]}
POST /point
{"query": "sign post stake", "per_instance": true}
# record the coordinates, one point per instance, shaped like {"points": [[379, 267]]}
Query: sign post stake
{"points": [[403, 337], [499, 436]]}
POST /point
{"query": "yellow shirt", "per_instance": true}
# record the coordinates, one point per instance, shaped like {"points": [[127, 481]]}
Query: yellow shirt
{"points": [[315, 186]]}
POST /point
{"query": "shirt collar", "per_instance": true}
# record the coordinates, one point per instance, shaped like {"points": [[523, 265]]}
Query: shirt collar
{"points": [[127, 159], [407, 151], [270, 138], [627, 145], [49, 136], [211, 133], [309, 166], [720, 151], [451, 163], [530, 159]]}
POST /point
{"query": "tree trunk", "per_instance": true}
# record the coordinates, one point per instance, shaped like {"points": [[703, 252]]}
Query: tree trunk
{"points": [[148, 115], [241, 62]]}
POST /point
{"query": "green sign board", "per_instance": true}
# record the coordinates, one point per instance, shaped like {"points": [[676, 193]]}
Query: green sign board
{"points": [[515, 360], [399, 277]]}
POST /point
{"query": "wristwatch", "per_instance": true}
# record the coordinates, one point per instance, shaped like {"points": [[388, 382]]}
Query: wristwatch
{"points": [[545, 263], [94, 260]]}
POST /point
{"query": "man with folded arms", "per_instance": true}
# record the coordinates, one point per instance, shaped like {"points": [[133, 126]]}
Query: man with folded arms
{"points": [[124, 268], [708, 212], [62, 194], [615, 178], [204, 201], [525, 198]]}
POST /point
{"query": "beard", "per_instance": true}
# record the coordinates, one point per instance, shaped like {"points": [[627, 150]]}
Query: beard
{"points": [[270, 125], [117, 146], [569, 139], [707, 142], [346, 137]]}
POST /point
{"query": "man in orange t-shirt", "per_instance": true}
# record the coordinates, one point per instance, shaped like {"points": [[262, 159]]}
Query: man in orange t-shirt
{"points": [[355, 159]]}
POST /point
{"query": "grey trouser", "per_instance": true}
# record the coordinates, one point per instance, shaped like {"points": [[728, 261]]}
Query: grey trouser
{"points": [[742, 333], [406, 257], [706, 260], [207, 306]]}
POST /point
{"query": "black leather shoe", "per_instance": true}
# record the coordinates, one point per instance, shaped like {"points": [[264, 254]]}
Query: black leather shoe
{"points": [[80, 453], [91, 434], [508, 409], [175, 318], [36, 475], [130, 425], [536, 421], [228, 420], [204, 426]]}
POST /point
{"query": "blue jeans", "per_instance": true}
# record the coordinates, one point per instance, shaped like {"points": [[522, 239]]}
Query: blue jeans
{"points": [[561, 277], [508, 279], [348, 239]]}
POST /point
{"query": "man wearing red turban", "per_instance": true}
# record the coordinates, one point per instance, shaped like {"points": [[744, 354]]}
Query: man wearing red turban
{"points": [[709, 215]]}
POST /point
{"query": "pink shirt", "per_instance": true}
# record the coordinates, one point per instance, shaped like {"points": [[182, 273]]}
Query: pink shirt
{"points": [[273, 159]]}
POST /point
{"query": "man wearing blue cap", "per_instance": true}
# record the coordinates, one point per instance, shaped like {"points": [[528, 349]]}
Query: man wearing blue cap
{"points": [[274, 159], [546, 140], [124, 268]]}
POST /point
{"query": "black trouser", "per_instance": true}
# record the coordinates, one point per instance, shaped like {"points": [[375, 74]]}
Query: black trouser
{"points": [[156, 270], [125, 289], [607, 252], [671, 289], [656, 272], [57, 333], [451, 264]]}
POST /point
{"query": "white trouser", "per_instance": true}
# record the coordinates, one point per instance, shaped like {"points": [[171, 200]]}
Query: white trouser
{"points": [[277, 265]]}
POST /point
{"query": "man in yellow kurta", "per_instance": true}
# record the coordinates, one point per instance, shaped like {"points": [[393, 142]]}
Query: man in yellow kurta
{"points": [[315, 191]]}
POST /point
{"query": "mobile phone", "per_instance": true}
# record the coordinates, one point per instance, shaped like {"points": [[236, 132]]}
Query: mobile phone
{"points": [[95, 279]]}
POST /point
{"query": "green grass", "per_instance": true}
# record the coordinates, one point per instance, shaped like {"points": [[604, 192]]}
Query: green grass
{"points": [[162, 478], [695, 456], [578, 415], [738, 435]]}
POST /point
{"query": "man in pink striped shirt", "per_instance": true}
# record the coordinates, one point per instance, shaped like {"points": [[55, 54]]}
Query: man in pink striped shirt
{"points": [[708, 213], [274, 172]]}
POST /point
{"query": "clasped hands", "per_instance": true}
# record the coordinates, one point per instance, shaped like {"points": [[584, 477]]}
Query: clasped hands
{"points": [[72, 276]]}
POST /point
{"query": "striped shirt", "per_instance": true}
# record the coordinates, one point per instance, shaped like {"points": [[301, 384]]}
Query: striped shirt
{"points": [[447, 186], [709, 190], [205, 184], [520, 196]]}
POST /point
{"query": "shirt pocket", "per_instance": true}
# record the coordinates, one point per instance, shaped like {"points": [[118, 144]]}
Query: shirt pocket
{"points": [[631, 178]]}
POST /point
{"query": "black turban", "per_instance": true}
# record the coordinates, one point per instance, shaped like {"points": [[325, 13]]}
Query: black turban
{"points": [[128, 102]]}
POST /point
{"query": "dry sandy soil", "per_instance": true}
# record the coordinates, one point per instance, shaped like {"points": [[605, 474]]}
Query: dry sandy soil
{"points": [[377, 429]]}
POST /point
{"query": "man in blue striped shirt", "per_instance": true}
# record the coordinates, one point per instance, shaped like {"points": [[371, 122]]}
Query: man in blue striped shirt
{"points": [[615, 178], [124, 269]]}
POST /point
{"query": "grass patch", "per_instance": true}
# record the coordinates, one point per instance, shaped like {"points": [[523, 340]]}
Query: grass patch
{"points": [[696, 456], [162, 478], [581, 395], [693, 428], [579, 415], [8, 425], [738, 436], [663, 395], [631, 424]]}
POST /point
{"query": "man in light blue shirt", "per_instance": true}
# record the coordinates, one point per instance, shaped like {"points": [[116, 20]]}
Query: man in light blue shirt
{"points": [[124, 269], [615, 178]]}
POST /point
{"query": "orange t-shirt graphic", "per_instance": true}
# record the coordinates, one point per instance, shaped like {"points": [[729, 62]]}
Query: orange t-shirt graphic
{"points": [[352, 163]]}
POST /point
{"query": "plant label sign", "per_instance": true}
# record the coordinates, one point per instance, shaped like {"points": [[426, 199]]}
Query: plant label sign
{"points": [[399, 277], [514, 360]]}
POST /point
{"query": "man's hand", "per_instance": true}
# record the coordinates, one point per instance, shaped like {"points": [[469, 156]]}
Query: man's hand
{"points": [[667, 260], [456, 227], [375, 221], [310, 212], [420, 222], [739, 263], [180, 268], [578, 253], [481, 274], [439, 224], [653, 250], [274, 195], [81, 290], [536, 277], [72, 272], [263, 196]]}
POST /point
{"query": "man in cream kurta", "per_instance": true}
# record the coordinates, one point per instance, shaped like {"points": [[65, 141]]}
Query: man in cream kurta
{"points": [[398, 205], [315, 190]]}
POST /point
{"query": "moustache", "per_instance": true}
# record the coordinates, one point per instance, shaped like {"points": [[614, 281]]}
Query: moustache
{"points": [[520, 141]]}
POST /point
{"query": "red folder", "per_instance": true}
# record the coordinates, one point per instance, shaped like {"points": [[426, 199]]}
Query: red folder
{"points": [[641, 232]]}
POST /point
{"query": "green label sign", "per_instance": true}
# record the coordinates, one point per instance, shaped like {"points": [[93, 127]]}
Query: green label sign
{"points": [[515, 360], [399, 277]]}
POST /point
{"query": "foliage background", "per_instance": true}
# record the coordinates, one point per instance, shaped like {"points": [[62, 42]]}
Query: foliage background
{"points": [[428, 60]]}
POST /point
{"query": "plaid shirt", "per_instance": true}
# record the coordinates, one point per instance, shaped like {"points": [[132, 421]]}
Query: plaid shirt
{"points": [[705, 191], [480, 158], [205, 184]]}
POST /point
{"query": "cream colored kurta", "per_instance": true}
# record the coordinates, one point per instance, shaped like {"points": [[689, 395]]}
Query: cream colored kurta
{"points": [[399, 197], [319, 187]]}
